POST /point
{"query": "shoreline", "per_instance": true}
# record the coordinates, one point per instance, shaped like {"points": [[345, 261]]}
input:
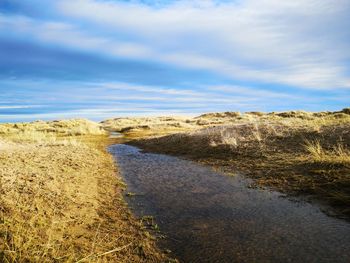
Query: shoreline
{"points": [[279, 162]]}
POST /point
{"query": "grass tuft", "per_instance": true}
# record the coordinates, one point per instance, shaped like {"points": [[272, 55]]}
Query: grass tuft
{"points": [[339, 154]]}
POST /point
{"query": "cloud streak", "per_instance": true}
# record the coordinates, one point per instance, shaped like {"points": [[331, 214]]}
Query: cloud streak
{"points": [[172, 56], [291, 42], [299, 43]]}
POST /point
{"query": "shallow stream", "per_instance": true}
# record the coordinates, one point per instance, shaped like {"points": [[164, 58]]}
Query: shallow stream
{"points": [[210, 217]]}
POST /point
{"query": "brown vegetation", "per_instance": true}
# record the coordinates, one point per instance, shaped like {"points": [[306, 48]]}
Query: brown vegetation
{"points": [[61, 200], [56, 128], [295, 152], [148, 125]]}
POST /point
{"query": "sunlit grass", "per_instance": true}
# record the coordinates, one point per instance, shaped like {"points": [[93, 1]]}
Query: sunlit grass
{"points": [[60, 198], [339, 154], [296, 151]]}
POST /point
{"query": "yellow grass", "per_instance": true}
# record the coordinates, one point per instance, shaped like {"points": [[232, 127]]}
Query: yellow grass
{"points": [[339, 154], [60, 199], [71, 127], [143, 126], [41, 138], [297, 151]]}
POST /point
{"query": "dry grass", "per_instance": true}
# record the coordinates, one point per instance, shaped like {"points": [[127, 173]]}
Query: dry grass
{"points": [[150, 125], [54, 133], [41, 138], [155, 126], [61, 200], [71, 127], [339, 154], [295, 152]]}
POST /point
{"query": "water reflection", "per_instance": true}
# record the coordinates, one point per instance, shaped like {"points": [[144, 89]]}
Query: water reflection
{"points": [[208, 217]]}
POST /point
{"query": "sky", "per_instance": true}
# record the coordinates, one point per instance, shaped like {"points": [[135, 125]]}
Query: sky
{"points": [[98, 59]]}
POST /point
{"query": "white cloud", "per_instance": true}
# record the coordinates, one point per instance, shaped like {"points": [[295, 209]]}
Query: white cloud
{"points": [[251, 92], [97, 114], [149, 89], [66, 34], [8, 107], [218, 94], [302, 43], [203, 95]]}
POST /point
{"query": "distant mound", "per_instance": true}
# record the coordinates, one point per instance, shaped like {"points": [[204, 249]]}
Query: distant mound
{"points": [[61, 127], [147, 123], [176, 124], [228, 114]]}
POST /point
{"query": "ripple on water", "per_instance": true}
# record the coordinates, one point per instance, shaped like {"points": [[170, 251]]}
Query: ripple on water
{"points": [[209, 217]]}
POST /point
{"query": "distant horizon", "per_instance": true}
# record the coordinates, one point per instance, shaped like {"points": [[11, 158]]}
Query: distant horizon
{"points": [[99, 59], [141, 115]]}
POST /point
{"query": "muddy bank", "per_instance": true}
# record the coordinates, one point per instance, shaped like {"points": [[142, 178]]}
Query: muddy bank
{"points": [[274, 155]]}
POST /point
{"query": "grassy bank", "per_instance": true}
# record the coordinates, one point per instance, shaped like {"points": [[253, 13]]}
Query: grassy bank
{"points": [[61, 200], [150, 126], [293, 152]]}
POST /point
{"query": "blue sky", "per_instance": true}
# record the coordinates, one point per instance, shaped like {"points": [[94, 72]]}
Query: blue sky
{"points": [[108, 58]]}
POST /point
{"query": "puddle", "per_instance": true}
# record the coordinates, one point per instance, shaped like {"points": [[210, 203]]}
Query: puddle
{"points": [[210, 217]]}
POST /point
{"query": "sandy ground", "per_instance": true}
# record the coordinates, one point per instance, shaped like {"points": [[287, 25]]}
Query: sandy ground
{"points": [[61, 199], [63, 203]]}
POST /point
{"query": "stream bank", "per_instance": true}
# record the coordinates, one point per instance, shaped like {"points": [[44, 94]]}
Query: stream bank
{"points": [[208, 217]]}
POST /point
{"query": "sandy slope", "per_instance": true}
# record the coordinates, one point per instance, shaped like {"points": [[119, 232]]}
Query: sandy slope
{"points": [[62, 202]]}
